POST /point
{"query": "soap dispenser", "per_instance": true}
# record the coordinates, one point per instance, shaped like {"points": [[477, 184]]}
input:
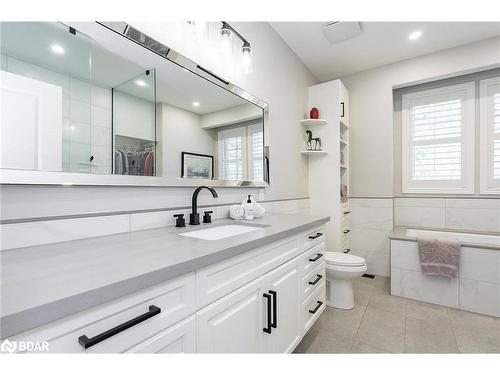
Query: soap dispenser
{"points": [[249, 208]]}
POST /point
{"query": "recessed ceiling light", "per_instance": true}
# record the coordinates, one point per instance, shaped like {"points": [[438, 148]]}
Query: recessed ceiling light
{"points": [[57, 49], [196, 104], [415, 35], [140, 82]]}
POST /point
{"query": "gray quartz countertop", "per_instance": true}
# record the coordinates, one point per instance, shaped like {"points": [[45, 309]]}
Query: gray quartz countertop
{"points": [[43, 283], [399, 233]]}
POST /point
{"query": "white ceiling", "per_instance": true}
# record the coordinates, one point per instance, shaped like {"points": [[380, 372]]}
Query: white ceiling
{"points": [[380, 43]]}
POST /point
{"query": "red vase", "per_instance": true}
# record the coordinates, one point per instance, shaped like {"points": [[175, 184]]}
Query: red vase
{"points": [[314, 114]]}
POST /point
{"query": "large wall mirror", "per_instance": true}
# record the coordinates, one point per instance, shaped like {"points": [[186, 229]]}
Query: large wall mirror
{"points": [[103, 102]]}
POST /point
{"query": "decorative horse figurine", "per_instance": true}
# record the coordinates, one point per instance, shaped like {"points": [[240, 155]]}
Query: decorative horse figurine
{"points": [[310, 139]]}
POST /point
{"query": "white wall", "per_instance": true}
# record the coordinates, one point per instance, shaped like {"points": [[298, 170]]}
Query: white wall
{"points": [[278, 77], [371, 154], [371, 108], [182, 131]]}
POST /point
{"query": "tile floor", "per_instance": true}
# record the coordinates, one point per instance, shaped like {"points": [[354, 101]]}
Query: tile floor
{"points": [[381, 323]]}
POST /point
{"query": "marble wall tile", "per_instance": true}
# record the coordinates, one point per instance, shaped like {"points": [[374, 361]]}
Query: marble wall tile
{"points": [[480, 264], [479, 296], [480, 219], [420, 216], [43, 232], [431, 289]]}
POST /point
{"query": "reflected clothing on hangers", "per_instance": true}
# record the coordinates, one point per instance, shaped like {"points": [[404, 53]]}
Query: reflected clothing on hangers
{"points": [[134, 163]]}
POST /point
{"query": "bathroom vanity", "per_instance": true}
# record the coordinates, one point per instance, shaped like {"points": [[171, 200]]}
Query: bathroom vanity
{"points": [[160, 291]]}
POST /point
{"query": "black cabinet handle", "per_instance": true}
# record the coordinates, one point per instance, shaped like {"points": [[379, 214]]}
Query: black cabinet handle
{"points": [[346, 251], [315, 236], [343, 109], [274, 322], [318, 278], [347, 231], [268, 328], [315, 258], [87, 343], [313, 311], [347, 212]]}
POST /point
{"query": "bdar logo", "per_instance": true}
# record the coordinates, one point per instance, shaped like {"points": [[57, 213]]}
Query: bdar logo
{"points": [[8, 346]]}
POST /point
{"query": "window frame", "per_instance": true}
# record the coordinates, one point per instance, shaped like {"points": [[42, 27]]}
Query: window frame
{"points": [[486, 184], [465, 185]]}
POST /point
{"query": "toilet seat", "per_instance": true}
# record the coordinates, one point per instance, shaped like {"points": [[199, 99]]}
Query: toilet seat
{"points": [[345, 260]]}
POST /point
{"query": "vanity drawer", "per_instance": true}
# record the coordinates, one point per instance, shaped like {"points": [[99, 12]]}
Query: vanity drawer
{"points": [[180, 338], [313, 280], [312, 308], [153, 309], [314, 237], [311, 258], [220, 279]]}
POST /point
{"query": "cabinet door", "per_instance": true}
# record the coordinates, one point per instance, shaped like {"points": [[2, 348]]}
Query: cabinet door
{"points": [[283, 284], [232, 324], [180, 338], [344, 105]]}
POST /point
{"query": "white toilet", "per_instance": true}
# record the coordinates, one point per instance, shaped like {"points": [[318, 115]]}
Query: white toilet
{"points": [[340, 270]]}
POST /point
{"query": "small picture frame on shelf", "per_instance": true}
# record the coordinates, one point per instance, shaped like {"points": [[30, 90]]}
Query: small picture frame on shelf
{"points": [[197, 165]]}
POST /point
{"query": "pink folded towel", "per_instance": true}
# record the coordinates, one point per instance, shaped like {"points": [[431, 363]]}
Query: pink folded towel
{"points": [[439, 256]]}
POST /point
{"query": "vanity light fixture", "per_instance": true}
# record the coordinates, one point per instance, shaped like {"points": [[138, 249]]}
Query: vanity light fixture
{"points": [[246, 49], [140, 82], [196, 104], [57, 49], [415, 35]]}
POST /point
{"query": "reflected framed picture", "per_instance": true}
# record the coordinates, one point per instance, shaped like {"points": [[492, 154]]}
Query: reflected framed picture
{"points": [[197, 165]]}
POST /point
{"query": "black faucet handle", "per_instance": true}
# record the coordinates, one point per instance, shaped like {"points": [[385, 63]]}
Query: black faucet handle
{"points": [[207, 218], [180, 222]]}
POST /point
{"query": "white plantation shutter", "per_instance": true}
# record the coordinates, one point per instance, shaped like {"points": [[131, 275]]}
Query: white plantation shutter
{"points": [[241, 152], [232, 148], [490, 135], [438, 140], [256, 152]]}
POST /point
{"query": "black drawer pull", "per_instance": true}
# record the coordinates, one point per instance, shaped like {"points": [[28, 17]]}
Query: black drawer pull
{"points": [[274, 322], [268, 328], [343, 109], [315, 236], [316, 308], [87, 343], [315, 258], [346, 251], [347, 231], [347, 212], [318, 278]]}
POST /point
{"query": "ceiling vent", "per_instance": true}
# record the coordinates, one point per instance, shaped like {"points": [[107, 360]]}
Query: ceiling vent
{"points": [[338, 31]]}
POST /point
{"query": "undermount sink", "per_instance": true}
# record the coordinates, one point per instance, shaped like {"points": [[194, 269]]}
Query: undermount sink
{"points": [[220, 232]]}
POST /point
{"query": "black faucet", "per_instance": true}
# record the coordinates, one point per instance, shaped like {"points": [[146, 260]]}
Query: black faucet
{"points": [[194, 216]]}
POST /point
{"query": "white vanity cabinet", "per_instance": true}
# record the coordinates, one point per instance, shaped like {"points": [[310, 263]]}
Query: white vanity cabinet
{"points": [[261, 301]]}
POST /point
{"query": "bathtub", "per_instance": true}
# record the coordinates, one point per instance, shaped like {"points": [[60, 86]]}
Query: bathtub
{"points": [[477, 285], [485, 239]]}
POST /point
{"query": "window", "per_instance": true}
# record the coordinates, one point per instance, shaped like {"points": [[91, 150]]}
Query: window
{"points": [[241, 153], [438, 140], [490, 135]]}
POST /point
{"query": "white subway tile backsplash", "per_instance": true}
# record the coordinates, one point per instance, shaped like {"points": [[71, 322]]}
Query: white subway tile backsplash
{"points": [[43, 232]]}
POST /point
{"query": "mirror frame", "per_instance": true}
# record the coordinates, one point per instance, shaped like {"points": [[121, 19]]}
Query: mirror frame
{"points": [[123, 30]]}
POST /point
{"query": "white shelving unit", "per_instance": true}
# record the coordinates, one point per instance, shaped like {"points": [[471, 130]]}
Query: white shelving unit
{"points": [[326, 173], [312, 152], [312, 122]]}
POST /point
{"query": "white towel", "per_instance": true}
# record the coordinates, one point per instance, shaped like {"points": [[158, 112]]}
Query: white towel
{"points": [[236, 212]]}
